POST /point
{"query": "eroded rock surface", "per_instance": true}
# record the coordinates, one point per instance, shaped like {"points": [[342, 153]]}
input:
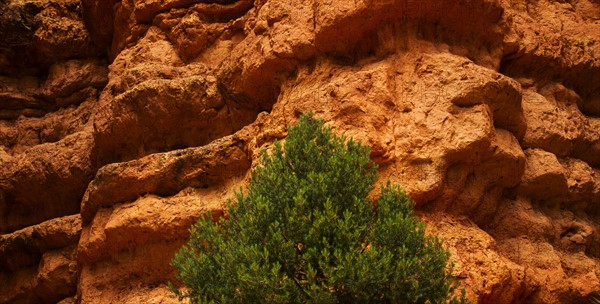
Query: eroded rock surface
{"points": [[123, 122], [38, 263]]}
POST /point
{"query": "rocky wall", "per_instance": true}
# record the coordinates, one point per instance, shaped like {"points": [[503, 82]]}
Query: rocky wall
{"points": [[122, 122]]}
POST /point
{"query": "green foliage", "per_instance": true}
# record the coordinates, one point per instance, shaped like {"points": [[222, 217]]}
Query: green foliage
{"points": [[306, 232]]}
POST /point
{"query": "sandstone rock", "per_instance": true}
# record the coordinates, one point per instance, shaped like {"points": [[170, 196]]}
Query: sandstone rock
{"points": [[566, 49], [486, 275], [36, 34], [38, 263], [268, 59], [485, 111], [343, 26], [477, 189], [69, 300], [57, 275], [99, 18], [584, 186], [18, 286], [68, 84], [120, 243], [555, 123], [165, 108], [53, 280], [542, 240], [18, 97], [17, 136], [25, 247], [45, 181], [165, 174], [516, 218], [66, 78], [193, 30], [544, 176], [149, 219], [123, 233], [404, 117]]}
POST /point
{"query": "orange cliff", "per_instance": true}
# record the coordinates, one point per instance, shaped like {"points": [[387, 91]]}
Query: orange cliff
{"points": [[121, 121]]}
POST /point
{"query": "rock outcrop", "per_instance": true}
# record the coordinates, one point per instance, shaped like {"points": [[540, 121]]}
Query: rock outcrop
{"points": [[123, 122]]}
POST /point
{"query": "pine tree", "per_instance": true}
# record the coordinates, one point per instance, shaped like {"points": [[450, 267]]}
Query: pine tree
{"points": [[307, 232]]}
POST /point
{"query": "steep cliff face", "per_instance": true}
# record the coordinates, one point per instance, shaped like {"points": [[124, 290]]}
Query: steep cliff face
{"points": [[121, 121]]}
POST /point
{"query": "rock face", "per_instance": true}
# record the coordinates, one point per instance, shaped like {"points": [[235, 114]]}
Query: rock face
{"points": [[122, 122]]}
